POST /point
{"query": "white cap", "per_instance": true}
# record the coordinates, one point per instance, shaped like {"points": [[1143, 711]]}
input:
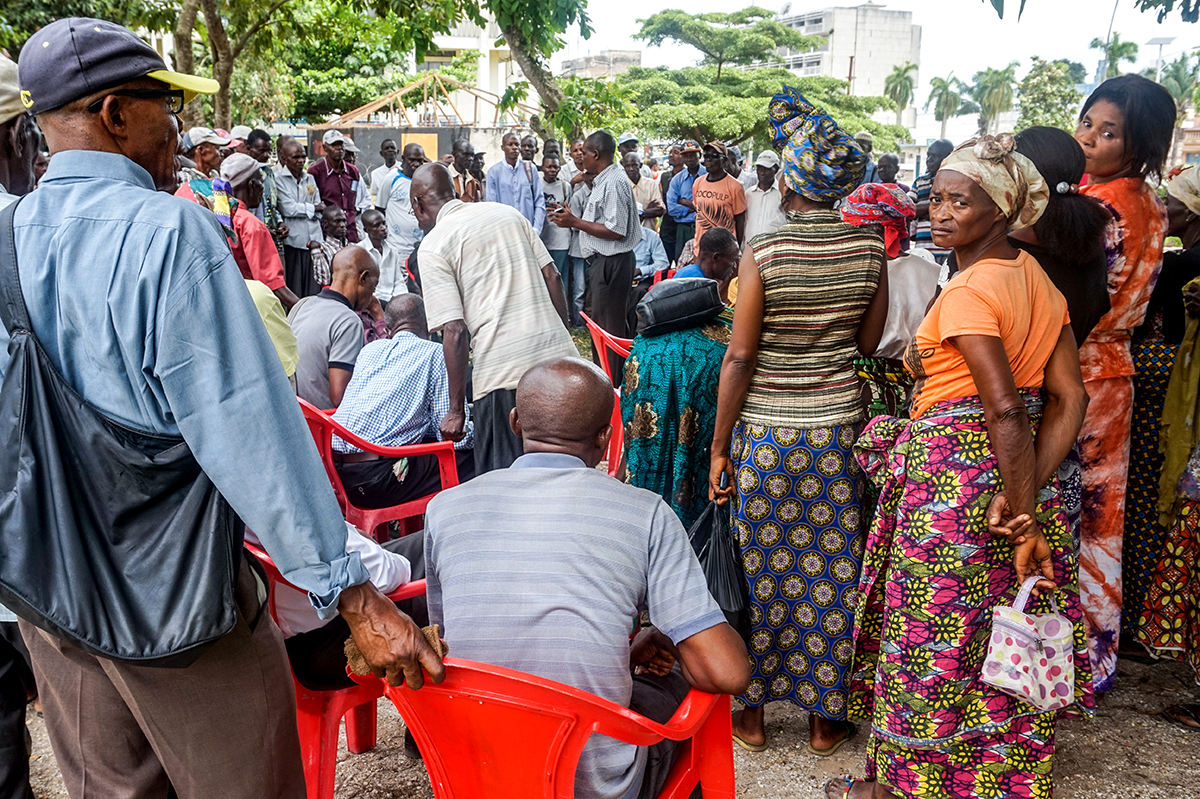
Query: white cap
{"points": [[206, 136], [351, 147], [767, 158], [332, 137], [240, 132], [626, 137]]}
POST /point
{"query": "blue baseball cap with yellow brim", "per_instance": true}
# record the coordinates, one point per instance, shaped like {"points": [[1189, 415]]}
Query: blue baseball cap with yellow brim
{"points": [[77, 57]]}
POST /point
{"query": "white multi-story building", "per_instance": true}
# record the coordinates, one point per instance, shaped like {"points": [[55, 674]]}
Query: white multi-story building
{"points": [[863, 45]]}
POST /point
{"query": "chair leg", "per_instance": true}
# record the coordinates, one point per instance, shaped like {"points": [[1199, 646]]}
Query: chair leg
{"points": [[318, 742], [360, 728], [713, 748]]}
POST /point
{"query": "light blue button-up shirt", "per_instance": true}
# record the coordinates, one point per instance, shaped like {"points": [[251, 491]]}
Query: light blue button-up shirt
{"points": [[136, 299], [681, 186], [518, 187]]}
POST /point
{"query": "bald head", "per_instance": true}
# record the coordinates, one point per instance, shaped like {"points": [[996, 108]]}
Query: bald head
{"points": [[432, 187], [354, 275], [406, 313], [546, 390]]}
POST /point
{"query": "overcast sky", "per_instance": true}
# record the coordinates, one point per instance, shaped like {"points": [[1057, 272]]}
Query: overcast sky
{"points": [[959, 36]]}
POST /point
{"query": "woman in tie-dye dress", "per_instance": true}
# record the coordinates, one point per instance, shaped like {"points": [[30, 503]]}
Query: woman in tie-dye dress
{"points": [[1125, 130]]}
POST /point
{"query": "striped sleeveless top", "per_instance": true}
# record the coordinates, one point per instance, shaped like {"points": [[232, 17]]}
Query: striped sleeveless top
{"points": [[819, 274]]}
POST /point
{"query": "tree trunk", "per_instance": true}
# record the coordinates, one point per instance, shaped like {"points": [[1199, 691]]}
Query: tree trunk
{"points": [[222, 53], [900, 116], [944, 121], [535, 70], [185, 60]]}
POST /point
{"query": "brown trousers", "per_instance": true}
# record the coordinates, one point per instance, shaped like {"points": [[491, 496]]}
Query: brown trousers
{"points": [[223, 727]]}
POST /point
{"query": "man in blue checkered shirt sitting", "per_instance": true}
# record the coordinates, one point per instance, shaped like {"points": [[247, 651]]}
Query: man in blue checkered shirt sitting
{"points": [[398, 395]]}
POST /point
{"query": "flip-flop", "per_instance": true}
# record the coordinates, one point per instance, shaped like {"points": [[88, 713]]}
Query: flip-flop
{"points": [[851, 731], [1191, 711], [849, 784], [749, 747]]}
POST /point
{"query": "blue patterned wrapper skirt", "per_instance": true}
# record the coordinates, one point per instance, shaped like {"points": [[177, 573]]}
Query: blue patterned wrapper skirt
{"points": [[799, 519]]}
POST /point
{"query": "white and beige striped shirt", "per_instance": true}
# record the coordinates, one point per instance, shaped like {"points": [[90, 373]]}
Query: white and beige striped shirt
{"points": [[482, 263]]}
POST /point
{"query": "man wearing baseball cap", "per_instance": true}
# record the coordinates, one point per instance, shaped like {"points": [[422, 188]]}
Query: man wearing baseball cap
{"points": [[763, 214], [626, 144], [337, 180], [206, 152], [679, 195], [866, 141], [136, 300]]}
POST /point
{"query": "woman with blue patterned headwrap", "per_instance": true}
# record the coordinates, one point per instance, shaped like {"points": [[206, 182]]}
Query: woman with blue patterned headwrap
{"points": [[813, 294]]}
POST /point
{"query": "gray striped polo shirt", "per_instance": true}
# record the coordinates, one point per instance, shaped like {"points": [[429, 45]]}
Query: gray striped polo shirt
{"points": [[542, 568]]}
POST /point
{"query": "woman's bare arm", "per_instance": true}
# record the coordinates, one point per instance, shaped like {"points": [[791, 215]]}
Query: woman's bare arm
{"points": [[741, 358]]}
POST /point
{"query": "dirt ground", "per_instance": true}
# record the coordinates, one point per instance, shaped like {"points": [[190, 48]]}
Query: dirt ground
{"points": [[1125, 752]]}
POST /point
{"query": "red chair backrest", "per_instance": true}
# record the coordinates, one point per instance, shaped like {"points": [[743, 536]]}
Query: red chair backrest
{"points": [[491, 732], [276, 578], [603, 341], [616, 444]]}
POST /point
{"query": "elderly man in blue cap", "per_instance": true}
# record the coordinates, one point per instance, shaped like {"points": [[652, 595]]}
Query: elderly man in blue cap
{"points": [[135, 299]]}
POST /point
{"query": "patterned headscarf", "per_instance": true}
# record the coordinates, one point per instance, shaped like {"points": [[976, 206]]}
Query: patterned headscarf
{"points": [[1185, 187], [1009, 178], [881, 204], [820, 161]]}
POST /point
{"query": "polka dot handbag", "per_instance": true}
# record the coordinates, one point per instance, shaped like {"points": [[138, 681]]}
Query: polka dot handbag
{"points": [[1031, 657]]}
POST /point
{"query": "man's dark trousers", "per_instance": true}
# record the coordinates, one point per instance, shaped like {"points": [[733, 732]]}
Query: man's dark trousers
{"points": [[610, 281], [14, 737]]}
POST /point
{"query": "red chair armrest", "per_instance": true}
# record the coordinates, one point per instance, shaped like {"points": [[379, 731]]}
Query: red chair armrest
{"points": [[408, 591]]}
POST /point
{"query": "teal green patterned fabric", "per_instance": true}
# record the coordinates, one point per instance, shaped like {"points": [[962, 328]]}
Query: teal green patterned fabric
{"points": [[669, 408]]}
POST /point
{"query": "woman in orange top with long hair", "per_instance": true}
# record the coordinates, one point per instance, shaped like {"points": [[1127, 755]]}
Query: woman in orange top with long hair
{"points": [[1125, 130]]}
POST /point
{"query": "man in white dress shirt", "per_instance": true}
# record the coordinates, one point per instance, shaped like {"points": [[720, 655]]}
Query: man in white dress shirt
{"points": [[393, 280], [403, 233]]}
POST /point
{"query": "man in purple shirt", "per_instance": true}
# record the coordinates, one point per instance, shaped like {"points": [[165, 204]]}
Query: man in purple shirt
{"points": [[337, 180]]}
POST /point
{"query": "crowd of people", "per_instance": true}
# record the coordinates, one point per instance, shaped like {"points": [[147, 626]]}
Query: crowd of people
{"points": [[908, 401]]}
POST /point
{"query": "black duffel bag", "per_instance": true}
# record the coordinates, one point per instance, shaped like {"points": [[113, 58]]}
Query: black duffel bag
{"points": [[678, 304], [111, 538]]}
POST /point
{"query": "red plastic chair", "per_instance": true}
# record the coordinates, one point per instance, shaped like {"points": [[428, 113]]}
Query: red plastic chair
{"points": [[374, 521], [603, 341], [319, 713], [616, 444], [493, 732]]}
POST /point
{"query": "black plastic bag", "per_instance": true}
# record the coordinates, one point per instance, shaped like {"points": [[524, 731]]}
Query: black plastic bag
{"points": [[720, 558]]}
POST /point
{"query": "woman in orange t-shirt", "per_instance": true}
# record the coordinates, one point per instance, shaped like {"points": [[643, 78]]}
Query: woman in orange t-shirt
{"points": [[996, 364], [1125, 130]]}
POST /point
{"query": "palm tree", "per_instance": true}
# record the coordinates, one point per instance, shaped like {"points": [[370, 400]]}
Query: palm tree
{"points": [[946, 97], [994, 90], [900, 86], [1115, 51], [1181, 78]]}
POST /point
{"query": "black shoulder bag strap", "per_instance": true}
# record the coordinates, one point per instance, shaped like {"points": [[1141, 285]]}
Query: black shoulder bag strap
{"points": [[12, 302]]}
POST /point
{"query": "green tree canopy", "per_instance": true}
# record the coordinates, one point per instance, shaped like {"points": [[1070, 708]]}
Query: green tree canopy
{"points": [[1076, 72], [1048, 96], [1188, 9], [689, 104], [749, 36]]}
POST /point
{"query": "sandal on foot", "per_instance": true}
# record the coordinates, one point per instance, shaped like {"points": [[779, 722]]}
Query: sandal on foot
{"points": [[1179, 716], [851, 731], [749, 747], [849, 784]]}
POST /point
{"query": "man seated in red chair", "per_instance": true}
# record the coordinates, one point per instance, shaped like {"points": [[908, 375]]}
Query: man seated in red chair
{"points": [[316, 647], [542, 567], [397, 396]]}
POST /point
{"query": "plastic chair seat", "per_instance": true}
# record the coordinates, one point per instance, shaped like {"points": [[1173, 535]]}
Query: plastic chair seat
{"points": [[373, 521], [319, 714], [488, 731]]}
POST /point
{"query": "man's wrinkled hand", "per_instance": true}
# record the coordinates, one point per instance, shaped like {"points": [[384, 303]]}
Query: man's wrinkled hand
{"points": [[390, 642], [453, 425], [652, 653]]}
